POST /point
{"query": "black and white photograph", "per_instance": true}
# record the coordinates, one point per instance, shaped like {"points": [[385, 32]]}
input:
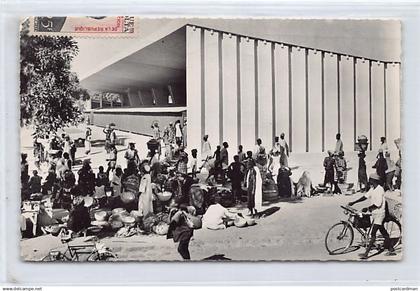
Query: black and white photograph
{"points": [[210, 139]]}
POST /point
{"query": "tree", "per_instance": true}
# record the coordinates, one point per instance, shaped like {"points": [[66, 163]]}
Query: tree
{"points": [[49, 89]]}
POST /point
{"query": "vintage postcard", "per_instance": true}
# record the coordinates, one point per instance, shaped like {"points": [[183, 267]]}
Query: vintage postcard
{"points": [[194, 139]]}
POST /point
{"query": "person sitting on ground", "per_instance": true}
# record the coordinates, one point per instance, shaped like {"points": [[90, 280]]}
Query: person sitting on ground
{"points": [[304, 186], [376, 196], [216, 216], [79, 218], [284, 184], [35, 183]]}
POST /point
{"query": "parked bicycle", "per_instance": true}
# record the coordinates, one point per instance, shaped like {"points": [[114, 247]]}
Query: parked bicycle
{"points": [[92, 251], [340, 236]]}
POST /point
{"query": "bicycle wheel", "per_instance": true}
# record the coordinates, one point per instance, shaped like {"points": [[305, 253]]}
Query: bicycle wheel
{"points": [[106, 257], [393, 227], [339, 238], [55, 257]]}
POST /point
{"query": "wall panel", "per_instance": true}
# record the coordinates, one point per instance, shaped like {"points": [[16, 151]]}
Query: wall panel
{"points": [[362, 98], [330, 100], [194, 87], [378, 104], [247, 66], [298, 101], [265, 96], [315, 101], [347, 103], [230, 93], [211, 86], [281, 76]]}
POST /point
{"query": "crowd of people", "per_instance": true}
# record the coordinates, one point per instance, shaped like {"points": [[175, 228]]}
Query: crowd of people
{"points": [[168, 168]]}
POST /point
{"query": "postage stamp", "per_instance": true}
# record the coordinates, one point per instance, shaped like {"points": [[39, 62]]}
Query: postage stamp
{"points": [[121, 26]]}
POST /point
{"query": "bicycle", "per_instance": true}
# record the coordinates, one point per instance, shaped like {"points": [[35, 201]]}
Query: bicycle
{"points": [[340, 236], [95, 251]]}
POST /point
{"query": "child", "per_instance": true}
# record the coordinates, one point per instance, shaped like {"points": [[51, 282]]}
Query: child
{"points": [[194, 162]]}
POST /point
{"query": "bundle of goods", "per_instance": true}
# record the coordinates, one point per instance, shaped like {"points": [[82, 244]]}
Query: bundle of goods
{"points": [[270, 190], [152, 220], [199, 198], [161, 228], [153, 145], [226, 197], [127, 231], [394, 202], [164, 196], [132, 183], [241, 221]]}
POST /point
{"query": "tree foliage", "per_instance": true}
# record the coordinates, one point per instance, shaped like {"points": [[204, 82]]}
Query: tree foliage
{"points": [[49, 90]]}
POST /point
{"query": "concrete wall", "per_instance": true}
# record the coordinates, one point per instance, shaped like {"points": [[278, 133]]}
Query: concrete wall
{"points": [[240, 89], [138, 122]]}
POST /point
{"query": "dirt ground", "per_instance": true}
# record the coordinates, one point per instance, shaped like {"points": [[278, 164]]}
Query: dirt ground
{"points": [[296, 231]]}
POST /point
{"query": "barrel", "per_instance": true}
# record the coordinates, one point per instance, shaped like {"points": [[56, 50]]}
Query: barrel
{"points": [[270, 191]]}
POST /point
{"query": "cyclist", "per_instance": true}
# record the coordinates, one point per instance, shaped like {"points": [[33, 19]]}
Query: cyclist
{"points": [[377, 208]]}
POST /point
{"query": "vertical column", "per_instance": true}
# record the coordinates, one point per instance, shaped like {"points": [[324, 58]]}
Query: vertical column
{"points": [[347, 103], [194, 100], [134, 97], [331, 100], [393, 103], [362, 98], [247, 84], [281, 79], [378, 103], [315, 101], [230, 90], [211, 86], [265, 97], [298, 100]]}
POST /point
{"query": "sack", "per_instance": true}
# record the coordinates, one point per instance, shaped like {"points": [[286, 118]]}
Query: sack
{"points": [[362, 222], [193, 222]]}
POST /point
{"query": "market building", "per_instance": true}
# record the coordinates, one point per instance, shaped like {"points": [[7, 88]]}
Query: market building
{"points": [[238, 87]]}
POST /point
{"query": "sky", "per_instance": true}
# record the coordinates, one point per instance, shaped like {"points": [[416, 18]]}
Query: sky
{"points": [[376, 39]]}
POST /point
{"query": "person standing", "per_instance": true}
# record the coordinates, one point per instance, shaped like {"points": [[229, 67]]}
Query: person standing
{"points": [[284, 185], [35, 183], [167, 142], [389, 173], [88, 140], [86, 180], [384, 146], [284, 151], [131, 154], [274, 158], [184, 133], [381, 166], [241, 154], [329, 170], [224, 156], [338, 144], [206, 148], [236, 175], [178, 132], [194, 163], [254, 188], [361, 173], [112, 158], [146, 195], [376, 196], [180, 231]]}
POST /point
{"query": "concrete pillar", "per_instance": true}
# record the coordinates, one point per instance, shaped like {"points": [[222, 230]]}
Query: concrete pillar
{"points": [[195, 104], [362, 98], [378, 103], [125, 101], [393, 101], [347, 114], [265, 94], [281, 76], [248, 122], [133, 97], [212, 87], [100, 100], [330, 100]]}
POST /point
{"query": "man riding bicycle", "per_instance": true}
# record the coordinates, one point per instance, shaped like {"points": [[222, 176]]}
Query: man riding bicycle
{"points": [[376, 195]]}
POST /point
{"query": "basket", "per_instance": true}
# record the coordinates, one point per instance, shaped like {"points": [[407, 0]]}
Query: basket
{"points": [[128, 197], [101, 215], [250, 221], [164, 196]]}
